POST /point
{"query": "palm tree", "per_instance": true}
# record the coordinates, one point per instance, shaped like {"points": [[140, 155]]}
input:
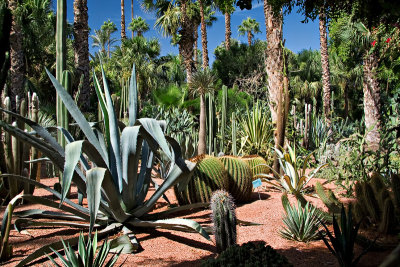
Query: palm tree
{"points": [[326, 83], [123, 34], [249, 26], [132, 14], [227, 8], [81, 49], [16, 55], [202, 83], [109, 28], [138, 25], [359, 35]]}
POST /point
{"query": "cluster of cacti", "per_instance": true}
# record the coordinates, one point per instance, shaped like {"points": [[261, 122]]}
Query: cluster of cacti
{"points": [[209, 176], [224, 220], [377, 203], [223, 117], [16, 152], [257, 165], [240, 178], [328, 198]]}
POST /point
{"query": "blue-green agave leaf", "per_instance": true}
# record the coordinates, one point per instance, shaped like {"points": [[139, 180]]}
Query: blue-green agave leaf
{"points": [[94, 178], [133, 98]]}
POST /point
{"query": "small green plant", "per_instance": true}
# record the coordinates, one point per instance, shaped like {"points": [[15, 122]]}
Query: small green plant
{"points": [[301, 224], [248, 254], [86, 256], [342, 242]]}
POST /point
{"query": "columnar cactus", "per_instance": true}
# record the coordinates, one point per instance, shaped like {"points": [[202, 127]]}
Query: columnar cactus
{"points": [[224, 220], [328, 198], [209, 176], [240, 178]]}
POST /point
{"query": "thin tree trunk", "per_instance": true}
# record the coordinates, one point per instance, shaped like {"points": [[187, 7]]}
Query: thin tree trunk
{"points": [[132, 16], [249, 38], [228, 30], [16, 57], [372, 106], [201, 149], [326, 84], [123, 34], [196, 38], [274, 69], [81, 49], [186, 42], [203, 36]]}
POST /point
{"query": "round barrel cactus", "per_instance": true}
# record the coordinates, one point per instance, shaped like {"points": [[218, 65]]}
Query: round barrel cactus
{"points": [[240, 178], [257, 164], [209, 176]]}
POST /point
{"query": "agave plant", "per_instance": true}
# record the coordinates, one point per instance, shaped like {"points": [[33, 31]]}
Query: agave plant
{"points": [[301, 224], [86, 256], [294, 178], [117, 181]]}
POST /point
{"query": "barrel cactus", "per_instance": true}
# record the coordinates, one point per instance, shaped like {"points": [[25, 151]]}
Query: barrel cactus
{"points": [[209, 176], [240, 178], [224, 220], [257, 164]]}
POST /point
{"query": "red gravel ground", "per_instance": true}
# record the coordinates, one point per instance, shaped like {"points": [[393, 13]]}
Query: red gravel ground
{"points": [[172, 248]]}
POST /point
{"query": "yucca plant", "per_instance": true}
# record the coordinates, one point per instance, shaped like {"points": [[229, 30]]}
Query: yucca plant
{"points": [[294, 178], [301, 224], [342, 243], [86, 256], [117, 181]]}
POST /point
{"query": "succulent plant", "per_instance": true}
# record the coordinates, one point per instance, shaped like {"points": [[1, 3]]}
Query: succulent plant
{"points": [[257, 165], [224, 220]]}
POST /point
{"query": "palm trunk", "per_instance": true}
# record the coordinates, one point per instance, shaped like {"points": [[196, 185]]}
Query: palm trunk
{"points": [[123, 34], [228, 30], [196, 38], [81, 49], [186, 42], [132, 16], [203, 36], [249, 38], [16, 56], [274, 69], [201, 148], [372, 106], [326, 84]]}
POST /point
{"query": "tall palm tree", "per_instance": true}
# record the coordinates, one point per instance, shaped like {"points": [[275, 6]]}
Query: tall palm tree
{"points": [[109, 28], [359, 35], [326, 83], [16, 55], [202, 82], [206, 20], [138, 25], [249, 26], [123, 34], [227, 8], [81, 49]]}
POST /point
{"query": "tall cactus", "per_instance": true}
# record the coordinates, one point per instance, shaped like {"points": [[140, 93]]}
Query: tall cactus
{"points": [[211, 123], [234, 134], [224, 220], [223, 117], [240, 178], [209, 176]]}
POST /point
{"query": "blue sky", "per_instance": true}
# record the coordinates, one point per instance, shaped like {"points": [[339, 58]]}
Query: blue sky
{"points": [[298, 35]]}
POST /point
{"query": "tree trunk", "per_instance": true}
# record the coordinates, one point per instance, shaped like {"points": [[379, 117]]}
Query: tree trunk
{"points": [[16, 57], [249, 38], [326, 84], [203, 36], [123, 34], [228, 30], [132, 16], [81, 49], [196, 38], [274, 69], [201, 149], [372, 106], [186, 42]]}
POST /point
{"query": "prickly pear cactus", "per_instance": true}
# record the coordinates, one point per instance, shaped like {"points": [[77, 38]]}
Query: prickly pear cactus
{"points": [[240, 178], [209, 176], [257, 165], [224, 220]]}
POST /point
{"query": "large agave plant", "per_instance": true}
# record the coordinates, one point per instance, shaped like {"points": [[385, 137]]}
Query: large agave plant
{"points": [[117, 180]]}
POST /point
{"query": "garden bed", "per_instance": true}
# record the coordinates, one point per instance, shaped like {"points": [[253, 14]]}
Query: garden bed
{"points": [[171, 248]]}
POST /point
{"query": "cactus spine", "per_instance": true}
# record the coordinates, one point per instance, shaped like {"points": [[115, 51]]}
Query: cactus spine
{"points": [[240, 178], [234, 130], [223, 117], [224, 220]]}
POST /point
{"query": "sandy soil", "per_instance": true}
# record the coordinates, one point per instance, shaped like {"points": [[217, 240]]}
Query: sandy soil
{"points": [[172, 248]]}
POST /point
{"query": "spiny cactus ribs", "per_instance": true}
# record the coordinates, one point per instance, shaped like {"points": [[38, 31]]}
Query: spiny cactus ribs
{"points": [[224, 220]]}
